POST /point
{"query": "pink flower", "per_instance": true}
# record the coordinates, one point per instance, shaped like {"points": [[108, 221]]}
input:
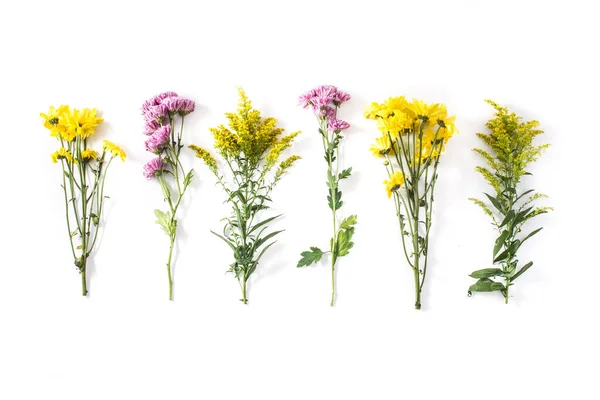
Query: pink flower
{"points": [[341, 97], [338, 125], [157, 113], [151, 126], [154, 167], [305, 99], [157, 141], [154, 101], [179, 105]]}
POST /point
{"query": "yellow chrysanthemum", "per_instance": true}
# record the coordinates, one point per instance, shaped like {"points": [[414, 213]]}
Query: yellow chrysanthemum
{"points": [[53, 121], [382, 147], [395, 124], [62, 154], [89, 155], [82, 122], [394, 183], [114, 149]]}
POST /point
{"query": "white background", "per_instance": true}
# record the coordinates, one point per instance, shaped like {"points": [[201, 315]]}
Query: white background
{"points": [[127, 341]]}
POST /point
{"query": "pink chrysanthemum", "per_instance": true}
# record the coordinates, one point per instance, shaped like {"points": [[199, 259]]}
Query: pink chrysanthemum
{"points": [[154, 167], [178, 105], [154, 101], [338, 125], [322, 99], [151, 126], [159, 138]]}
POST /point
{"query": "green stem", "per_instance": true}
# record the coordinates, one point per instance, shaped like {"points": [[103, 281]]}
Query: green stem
{"points": [[243, 284], [169, 267], [83, 275]]}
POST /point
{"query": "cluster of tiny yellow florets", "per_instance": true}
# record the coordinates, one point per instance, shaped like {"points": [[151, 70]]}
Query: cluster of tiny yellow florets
{"points": [[205, 156], [249, 136], [512, 142]]}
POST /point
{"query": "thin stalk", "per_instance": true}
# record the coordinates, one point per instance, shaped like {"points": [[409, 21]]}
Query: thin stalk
{"points": [[169, 267]]}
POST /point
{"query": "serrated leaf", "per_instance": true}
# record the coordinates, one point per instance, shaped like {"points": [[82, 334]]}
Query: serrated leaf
{"points": [[164, 220], [349, 222], [344, 242], [486, 273], [310, 257], [345, 173]]}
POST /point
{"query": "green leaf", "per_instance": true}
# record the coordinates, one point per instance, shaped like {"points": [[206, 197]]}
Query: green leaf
{"points": [[486, 285], [188, 178], [522, 216], [345, 173], [509, 216], [512, 249], [260, 241], [334, 199], [495, 203], [523, 194], [344, 242], [486, 273], [348, 222], [310, 257], [531, 234], [261, 223], [229, 242], [500, 242], [164, 220], [264, 250], [520, 272]]}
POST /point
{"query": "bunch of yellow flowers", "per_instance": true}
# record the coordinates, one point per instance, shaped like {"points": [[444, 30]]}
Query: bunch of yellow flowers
{"points": [[414, 136], [84, 172]]}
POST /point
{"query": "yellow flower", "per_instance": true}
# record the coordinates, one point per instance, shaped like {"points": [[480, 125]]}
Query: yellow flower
{"points": [[82, 123], [89, 155], [53, 121], [62, 154], [204, 155], [389, 107], [427, 112], [114, 149], [276, 150], [396, 181], [383, 146], [395, 124]]}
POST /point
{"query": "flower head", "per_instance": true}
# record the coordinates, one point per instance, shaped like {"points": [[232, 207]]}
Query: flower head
{"points": [[338, 125], [382, 147], [81, 123], [151, 126], [178, 105], [114, 149], [52, 120], [89, 155], [159, 139], [154, 101], [394, 183], [154, 167], [323, 100], [62, 154], [204, 155]]}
